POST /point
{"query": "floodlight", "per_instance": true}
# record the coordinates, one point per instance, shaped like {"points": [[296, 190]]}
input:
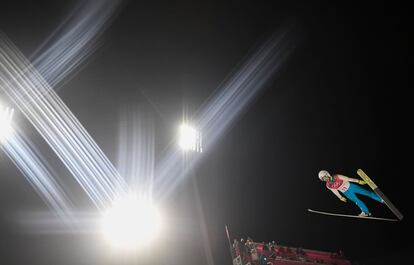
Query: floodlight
{"points": [[189, 138], [131, 223]]}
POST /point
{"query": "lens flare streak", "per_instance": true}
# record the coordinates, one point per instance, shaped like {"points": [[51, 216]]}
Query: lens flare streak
{"points": [[223, 109], [39, 174], [58, 126], [136, 152], [74, 40]]}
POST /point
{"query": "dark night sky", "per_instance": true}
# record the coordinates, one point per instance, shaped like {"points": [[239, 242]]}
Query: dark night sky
{"points": [[339, 103]]}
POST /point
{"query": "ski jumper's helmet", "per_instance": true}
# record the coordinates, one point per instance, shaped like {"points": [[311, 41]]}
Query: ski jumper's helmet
{"points": [[323, 173]]}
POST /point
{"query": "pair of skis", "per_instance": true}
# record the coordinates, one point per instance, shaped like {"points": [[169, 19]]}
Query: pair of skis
{"points": [[375, 188]]}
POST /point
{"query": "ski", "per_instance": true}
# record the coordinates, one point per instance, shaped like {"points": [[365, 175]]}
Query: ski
{"points": [[353, 216], [375, 188]]}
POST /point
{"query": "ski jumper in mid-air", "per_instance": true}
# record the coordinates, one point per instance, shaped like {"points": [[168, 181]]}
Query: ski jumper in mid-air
{"points": [[341, 184]]}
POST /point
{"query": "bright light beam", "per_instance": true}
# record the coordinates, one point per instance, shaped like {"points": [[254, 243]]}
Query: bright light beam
{"points": [[136, 151], [31, 164], [60, 55], [38, 173], [58, 126], [74, 40], [134, 222], [223, 109]]}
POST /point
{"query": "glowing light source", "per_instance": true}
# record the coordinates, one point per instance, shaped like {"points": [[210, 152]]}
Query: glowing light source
{"points": [[222, 109], [131, 223], [190, 138], [6, 115]]}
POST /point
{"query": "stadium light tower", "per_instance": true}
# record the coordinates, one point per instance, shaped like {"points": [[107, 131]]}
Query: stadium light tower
{"points": [[189, 138], [6, 115], [131, 223]]}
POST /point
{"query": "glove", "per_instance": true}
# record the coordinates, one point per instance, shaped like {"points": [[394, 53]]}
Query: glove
{"points": [[343, 199], [361, 182]]}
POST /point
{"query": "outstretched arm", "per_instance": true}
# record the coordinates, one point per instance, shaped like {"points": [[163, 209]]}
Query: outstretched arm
{"points": [[337, 194], [359, 181]]}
